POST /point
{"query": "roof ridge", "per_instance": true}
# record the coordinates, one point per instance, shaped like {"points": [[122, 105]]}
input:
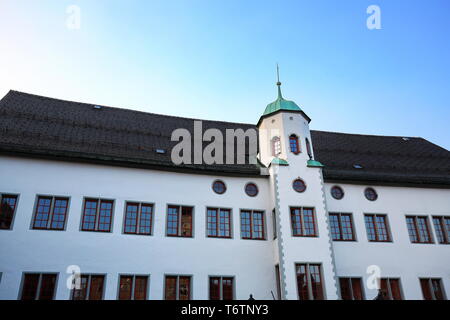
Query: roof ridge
{"points": [[21, 93], [124, 109], [367, 135], [83, 134]]}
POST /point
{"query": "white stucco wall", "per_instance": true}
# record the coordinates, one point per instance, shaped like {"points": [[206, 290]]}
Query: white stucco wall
{"points": [[251, 262], [401, 258], [293, 250], [303, 249], [314, 250]]}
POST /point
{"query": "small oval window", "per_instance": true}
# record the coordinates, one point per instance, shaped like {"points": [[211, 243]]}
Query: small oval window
{"points": [[337, 192], [251, 190], [299, 185], [371, 194], [219, 187]]}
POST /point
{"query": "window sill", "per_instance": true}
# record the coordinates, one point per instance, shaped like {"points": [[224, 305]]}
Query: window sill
{"points": [[176, 236], [302, 236], [137, 234], [424, 243], [47, 229], [100, 231], [214, 237]]}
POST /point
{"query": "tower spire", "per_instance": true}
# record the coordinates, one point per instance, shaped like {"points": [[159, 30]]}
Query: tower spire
{"points": [[280, 103], [279, 83]]}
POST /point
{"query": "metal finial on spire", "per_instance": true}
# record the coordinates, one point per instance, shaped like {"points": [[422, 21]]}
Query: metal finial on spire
{"points": [[278, 76], [279, 83]]}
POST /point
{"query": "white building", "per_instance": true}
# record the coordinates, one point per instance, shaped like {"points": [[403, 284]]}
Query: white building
{"points": [[321, 215]]}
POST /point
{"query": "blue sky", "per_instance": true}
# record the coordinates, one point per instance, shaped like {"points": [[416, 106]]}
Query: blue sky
{"points": [[216, 59]]}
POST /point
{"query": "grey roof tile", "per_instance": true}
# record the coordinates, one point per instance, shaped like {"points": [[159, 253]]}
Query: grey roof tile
{"points": [[33, 125]]}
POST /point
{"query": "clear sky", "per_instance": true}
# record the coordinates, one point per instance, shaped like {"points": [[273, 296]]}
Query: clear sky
{"points": [[216, 59]]}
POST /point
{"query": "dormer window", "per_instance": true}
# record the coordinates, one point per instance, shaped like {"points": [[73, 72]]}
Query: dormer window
{"points": [[293, 143], [276, 146]]}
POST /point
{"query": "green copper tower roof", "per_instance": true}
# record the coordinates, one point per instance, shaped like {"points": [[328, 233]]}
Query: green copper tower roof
{"points": [[281, 104]]}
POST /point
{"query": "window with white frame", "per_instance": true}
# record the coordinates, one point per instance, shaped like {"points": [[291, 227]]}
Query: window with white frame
{"points": [[221, 288], [88, 287], [38, 286], [50, 213], [432, 288], [309, 281], [133, 287]]}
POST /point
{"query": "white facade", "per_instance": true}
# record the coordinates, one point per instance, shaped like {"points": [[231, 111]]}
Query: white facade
{"points": [[250, 262], [315, 250], [399, 258]]}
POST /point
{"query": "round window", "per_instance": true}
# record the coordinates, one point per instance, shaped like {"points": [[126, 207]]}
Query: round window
{"points": [[371, 194], [299, 185], [251, 190], [219, 187], [337, 192]]}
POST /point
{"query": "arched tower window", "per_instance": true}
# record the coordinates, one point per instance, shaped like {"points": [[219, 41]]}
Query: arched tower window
{"points": [[308, 149], [293, 143], [276, 146]]}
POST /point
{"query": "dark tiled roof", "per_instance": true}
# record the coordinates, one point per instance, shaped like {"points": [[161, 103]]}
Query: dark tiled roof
{"points": [[382, 158], [46, 127], [50, 127]]}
